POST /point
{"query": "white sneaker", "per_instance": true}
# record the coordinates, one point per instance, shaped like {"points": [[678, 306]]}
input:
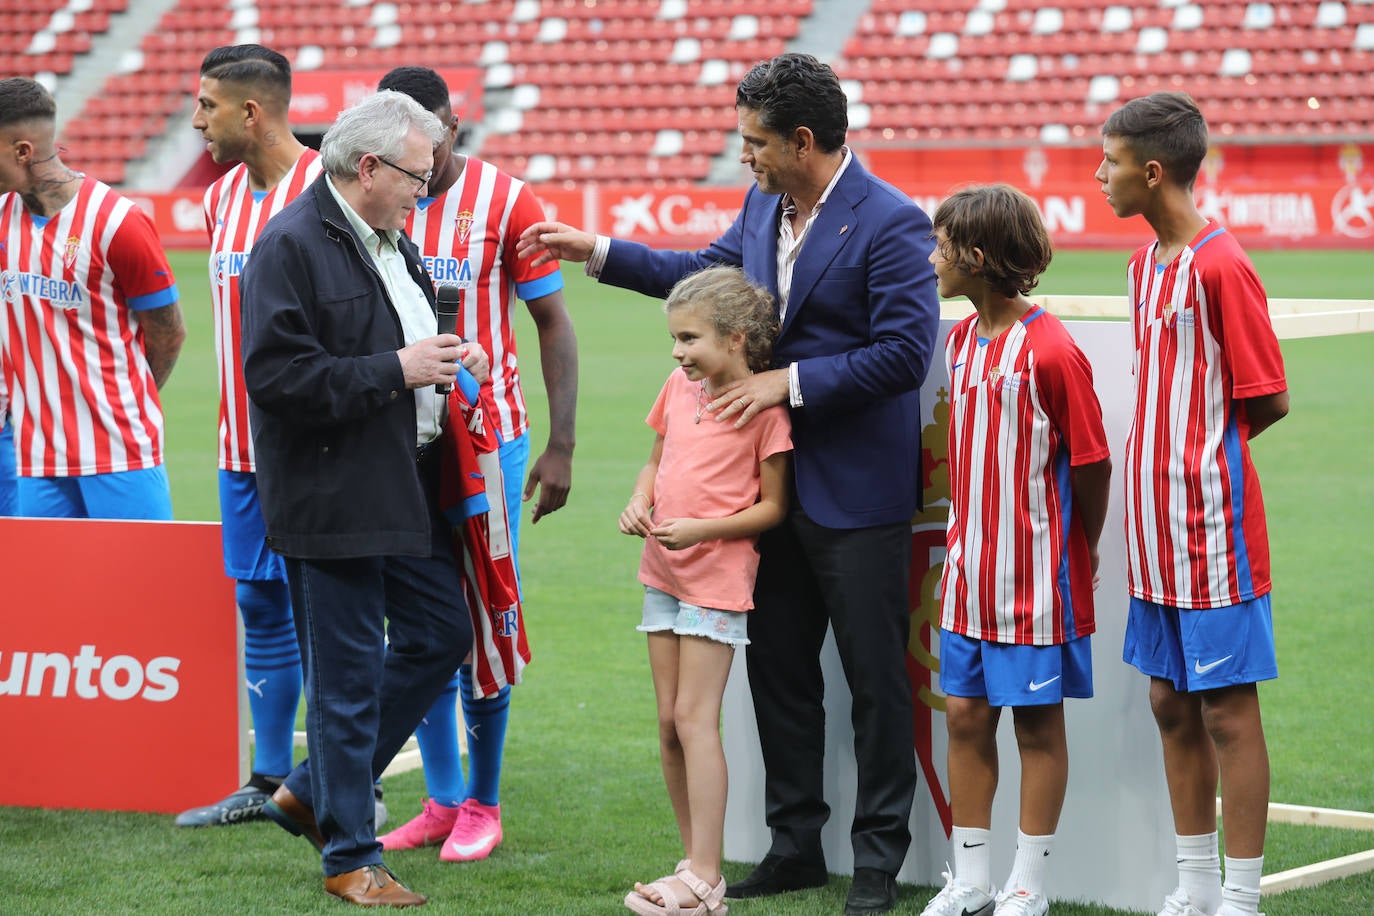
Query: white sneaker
{"points": [[959, 899], [1180, 904], [1021, 903]]}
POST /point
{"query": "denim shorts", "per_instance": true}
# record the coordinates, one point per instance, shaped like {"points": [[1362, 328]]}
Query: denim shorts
{"points": [[664, 612]]}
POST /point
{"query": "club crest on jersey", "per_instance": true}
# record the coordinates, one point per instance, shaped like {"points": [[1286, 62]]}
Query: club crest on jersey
{"points": [[464, 223], [69, 253], [1169, 315], [995, 376]]}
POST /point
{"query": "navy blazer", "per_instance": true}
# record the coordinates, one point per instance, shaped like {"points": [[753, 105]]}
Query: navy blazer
{"points": [[861, 323]]}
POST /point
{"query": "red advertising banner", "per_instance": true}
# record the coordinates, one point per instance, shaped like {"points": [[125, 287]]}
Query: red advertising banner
{"points": [[318, 95], [118, 665], [1300, 196]]}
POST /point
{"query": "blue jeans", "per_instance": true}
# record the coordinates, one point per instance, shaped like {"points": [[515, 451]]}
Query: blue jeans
{"points": [[364, 701]]}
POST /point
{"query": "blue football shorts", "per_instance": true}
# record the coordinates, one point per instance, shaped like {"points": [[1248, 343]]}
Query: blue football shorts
{"points": [[1014, 675], [244, 533], [1202, 649], [141, 495]]}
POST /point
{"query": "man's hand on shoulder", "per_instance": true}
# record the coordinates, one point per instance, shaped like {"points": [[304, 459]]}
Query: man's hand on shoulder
{"points": [[548, 241], [748, 397]]}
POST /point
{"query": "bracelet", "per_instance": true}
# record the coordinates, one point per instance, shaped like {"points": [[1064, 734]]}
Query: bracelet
{"points": [[647, 500]]}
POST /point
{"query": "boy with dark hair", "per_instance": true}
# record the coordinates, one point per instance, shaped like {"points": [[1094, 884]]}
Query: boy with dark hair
{"points": [[1209, 377], [1029, 475]]}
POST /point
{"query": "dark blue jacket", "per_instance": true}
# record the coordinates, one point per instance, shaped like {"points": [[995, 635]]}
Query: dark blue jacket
{"points": [[333, 422], [861, 325]]}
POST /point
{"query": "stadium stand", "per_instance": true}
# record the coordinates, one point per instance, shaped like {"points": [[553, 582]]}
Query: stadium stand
{"points": [[640, 90], [1016, 71]]}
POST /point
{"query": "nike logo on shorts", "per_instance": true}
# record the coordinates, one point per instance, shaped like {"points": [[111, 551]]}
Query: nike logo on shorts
{"points": [[1034, 686], [1200, 668]]}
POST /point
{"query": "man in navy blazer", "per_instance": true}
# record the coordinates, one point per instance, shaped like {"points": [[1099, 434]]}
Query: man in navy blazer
{"points": [[844, 254]]}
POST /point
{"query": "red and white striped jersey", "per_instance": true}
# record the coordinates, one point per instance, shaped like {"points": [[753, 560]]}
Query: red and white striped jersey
{"points": [[467, 237], [1022, 414], [235, 216], [472, 497], [83, 399], [1195, 530]]}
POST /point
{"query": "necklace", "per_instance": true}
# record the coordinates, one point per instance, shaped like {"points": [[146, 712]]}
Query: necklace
{"points": [[701, 401]]}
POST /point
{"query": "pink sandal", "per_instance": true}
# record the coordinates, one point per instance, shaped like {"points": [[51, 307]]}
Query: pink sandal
{"points": [[711, 900]]}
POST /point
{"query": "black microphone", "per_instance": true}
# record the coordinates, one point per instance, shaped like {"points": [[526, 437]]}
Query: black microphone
{"points": [[450, 297]]}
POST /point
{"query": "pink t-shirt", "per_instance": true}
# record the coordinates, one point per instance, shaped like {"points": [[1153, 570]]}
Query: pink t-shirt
{"points": [[707, 470]]}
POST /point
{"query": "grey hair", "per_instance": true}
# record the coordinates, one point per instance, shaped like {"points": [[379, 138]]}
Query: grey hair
{"points": [[378, 124]]}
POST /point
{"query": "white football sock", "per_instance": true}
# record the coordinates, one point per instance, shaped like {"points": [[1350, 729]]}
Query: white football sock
{"points": [[1028, 868], [972, 856], [1199, 870], [1241, 892]]}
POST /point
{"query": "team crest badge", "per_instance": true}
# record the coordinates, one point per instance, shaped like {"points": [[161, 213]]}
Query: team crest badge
{"points": [[464, 222], [69, 253], [1169, 315], [995, 375]]}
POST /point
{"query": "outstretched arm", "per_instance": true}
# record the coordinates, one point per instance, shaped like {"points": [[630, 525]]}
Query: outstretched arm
{"points": [[548, 241]]}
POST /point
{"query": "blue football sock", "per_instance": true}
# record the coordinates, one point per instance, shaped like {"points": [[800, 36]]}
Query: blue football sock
{"points": [[486, 722], [272, 667], [438, 738]]}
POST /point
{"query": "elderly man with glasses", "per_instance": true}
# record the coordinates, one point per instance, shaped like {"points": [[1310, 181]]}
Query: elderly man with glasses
{"points": [[340, 360]]}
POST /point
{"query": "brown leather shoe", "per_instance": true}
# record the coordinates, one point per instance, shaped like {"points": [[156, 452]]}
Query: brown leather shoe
{"points": [[372, 885], [294, 816]]}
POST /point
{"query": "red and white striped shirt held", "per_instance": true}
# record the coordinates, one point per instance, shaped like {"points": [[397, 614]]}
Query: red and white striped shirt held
{"points": [[234, 217], [1195, 528], [1022, 414], [467, 237], [83, 399]]}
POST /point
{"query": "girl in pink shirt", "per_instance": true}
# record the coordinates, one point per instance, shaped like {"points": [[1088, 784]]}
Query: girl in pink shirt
{"points": [[700, 503]]}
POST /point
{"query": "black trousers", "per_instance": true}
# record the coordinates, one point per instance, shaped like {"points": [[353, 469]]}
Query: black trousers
{"points": [[855, 580]]}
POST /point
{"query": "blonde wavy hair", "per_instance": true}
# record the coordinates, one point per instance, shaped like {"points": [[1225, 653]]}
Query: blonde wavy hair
{"points": [[733, 305]]}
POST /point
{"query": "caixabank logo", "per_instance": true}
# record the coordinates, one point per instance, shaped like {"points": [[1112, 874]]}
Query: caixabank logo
{"points": [[87, 675]]}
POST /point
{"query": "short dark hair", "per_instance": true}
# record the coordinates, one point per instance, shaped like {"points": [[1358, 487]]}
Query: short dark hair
{"points": [[797, 90], [261, 71], [23, 99], [1166, 127], [1006, 226], [420, 83]]}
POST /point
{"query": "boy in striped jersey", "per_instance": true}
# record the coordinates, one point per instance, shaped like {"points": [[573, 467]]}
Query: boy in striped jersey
{"points": [[92, 327], [466, 230], [241, 111], [1029, 476], [1209, 377]]}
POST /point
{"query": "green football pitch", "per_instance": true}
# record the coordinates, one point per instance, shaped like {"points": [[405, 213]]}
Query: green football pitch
{"points": [[585, 813]]}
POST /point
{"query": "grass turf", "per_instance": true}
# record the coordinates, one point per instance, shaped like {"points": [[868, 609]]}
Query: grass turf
{"points": [[585, 813]]}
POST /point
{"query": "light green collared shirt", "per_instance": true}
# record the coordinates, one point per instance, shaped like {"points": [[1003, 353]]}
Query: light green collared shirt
{"points": [[418, 320]]}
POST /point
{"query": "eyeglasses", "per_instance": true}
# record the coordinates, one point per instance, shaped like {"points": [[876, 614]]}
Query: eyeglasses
{"points": [[422, 180]]}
